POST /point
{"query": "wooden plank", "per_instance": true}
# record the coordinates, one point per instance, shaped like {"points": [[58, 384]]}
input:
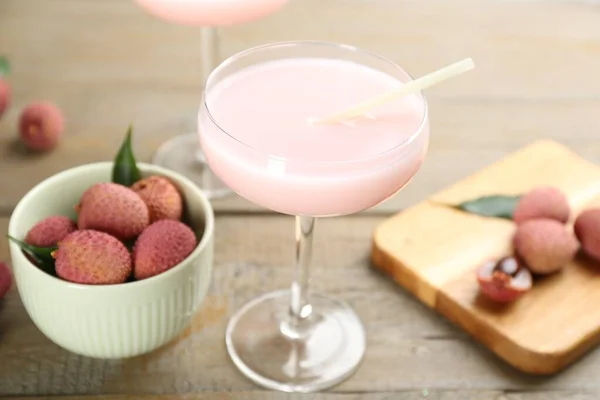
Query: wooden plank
{"points": [[149, 75], [409, 347], [547, 329], [465, 137], [532, 55], [423, 394], [102, 88]]}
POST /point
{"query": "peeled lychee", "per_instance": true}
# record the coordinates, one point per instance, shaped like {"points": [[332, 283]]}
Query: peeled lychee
{"points": [[545, 245], [49, 231], [161, 196], [505, 280], [587, 230], [161, 246], [4, 96], [542, 202], [5, 279], [92, 257], [114, 209], [41, 126]]}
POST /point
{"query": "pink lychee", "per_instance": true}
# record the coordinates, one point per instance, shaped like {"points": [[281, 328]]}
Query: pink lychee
{"points": [[542, 202], [5, 96], [92, 257], [114, 209], [162, 197], [6, 279], [41, 126], [161, 246], [49, 231], [545, 245], [587, 230]]}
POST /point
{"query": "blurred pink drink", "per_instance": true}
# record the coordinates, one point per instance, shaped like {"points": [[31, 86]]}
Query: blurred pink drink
{"points": [[181, 154], [211, 12]]}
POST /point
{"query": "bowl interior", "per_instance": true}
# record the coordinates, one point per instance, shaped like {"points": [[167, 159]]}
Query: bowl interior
{"points": [[59, 194]]}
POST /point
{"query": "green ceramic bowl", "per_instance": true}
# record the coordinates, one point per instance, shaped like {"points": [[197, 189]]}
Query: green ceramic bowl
{"points": [[111, 321]]}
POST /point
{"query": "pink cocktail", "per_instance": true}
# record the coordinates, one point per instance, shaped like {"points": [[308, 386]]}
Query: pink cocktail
{"points": [[257, 132], [181, 153], [211, 12]]}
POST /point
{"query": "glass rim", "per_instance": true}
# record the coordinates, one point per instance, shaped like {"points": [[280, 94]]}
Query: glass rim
{"points": [[341, 46]]}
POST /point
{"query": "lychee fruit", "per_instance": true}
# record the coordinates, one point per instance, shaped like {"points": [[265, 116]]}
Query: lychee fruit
{"points": [[49, 231], [545, 245], [114, 209], [6, 279], [504, 280], [41, 126], [92, 257], [5, 95], [161, 196], [587, 230], [542, 202], [161, 246]]}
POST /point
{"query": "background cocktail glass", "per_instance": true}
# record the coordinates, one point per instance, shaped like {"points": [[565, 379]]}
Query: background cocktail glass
{"points": [[182, 153], [293, 340]]}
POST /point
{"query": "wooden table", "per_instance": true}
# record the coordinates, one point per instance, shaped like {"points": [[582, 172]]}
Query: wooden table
{"points": [[106, 63]]}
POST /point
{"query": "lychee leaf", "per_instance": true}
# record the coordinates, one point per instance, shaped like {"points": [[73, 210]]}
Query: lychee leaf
{"points": [[41, 255], [4, 66], [496, 206], [125, 170]]}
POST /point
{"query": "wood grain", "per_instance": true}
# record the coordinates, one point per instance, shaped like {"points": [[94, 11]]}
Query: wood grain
{"points": [[409, 347], [538, 45], [464, 139], [422, 394], [554, 323], [535, 83], [107, 63]]}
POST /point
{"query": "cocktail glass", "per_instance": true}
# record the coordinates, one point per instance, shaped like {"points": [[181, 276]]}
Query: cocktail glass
{"points": [[182, 153], [295, 340]]}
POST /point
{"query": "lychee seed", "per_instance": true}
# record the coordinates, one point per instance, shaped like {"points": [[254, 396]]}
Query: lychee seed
{"points": [[504, 281]]}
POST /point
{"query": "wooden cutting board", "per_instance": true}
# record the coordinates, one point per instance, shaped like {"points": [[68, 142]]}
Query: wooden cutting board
{"points": [[434, 251]]}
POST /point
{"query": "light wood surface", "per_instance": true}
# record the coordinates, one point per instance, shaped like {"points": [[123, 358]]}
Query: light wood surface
{"points": [[435, 251], [410, 348], [106, 64], [423, 394]]}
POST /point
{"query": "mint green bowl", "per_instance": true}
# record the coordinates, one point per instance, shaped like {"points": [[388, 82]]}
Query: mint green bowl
{"points": [[111, 321]]}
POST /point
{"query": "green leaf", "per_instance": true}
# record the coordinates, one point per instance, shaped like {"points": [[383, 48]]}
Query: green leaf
{"points": [[125, 170], [4, 66], [41, 255], [497, 206]]}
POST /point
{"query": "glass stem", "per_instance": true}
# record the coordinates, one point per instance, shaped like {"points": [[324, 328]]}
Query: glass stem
{"points": [[209, 59], [209, 54], [300, 307]]}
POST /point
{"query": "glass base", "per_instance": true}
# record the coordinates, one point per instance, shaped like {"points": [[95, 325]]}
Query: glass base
{"points": [[182, 154], [320, 352]]}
